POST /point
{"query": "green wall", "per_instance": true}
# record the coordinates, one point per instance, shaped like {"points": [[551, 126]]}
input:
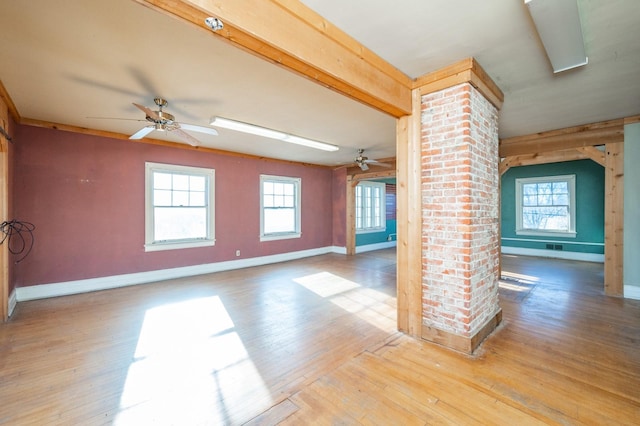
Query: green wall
{"points": [[377, 237], [589, 207]]}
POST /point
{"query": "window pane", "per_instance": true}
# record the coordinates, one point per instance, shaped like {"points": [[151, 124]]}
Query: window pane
{"points": [[197, 183], [544, 188], [530, 189], [561, 199], [560, 188], [288, 189], [279, 220], [161, 197], [161, 180], [289, 201], [180, 198], [267, 201], [267, 187], [181, 182], [530, 200], [544, 200], [197, 199], [546, 218], [173, 223]]}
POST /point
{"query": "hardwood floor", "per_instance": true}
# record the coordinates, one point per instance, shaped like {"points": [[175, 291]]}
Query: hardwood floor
{"points": [[313, 341]]}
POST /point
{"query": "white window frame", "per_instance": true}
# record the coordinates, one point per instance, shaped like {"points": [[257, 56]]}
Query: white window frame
{"points": [[571, 184], [367, 204], [150, 243], [297, 233]]}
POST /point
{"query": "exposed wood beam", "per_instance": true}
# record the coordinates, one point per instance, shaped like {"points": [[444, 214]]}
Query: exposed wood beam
{"points": [[593, 153], [464, 71], [614, 219], [8, 103], [374, 172], [302, 42], [632, 120], [552, 157], [351, 216], [571, 137], [409, 215], [4, 206]]}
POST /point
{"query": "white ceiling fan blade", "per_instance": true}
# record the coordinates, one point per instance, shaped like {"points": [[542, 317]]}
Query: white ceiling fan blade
{"points": [[377, 163], [142, 132], [186, 137], [200, 129], [148, 111]]}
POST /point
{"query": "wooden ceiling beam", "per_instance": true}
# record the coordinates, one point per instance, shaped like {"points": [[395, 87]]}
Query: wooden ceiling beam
{"points": [[571, 137], [573, 154], [287, 33]]}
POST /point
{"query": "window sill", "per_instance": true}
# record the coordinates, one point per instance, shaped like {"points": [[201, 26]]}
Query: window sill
{"points": [[530, 232], [178, 245], [370, 231], [275, 237]]}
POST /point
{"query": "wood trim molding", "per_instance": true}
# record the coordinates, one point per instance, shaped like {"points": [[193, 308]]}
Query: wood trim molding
{"points": [[582, 153], [459, 343], [4, 206], [409, 215], [121, 136], [571, 137], [319, 51], [465, 71], [593, 153], [374, 172], [614, 219], [8, 103], [632, 120]]}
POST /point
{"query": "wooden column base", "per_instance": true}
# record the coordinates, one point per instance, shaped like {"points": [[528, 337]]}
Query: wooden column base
{"points": [[461, 343]]}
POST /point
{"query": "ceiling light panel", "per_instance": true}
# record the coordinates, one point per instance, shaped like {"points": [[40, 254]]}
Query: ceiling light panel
{"points": [[558, 24]]}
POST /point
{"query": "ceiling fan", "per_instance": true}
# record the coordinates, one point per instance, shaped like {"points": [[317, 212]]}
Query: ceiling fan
{"points": [[363, 162], [163, 121]]}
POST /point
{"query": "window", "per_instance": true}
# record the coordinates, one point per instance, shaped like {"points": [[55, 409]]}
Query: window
{"points": [[179, 207], [370, 207], [546, 206], [280, 207]]}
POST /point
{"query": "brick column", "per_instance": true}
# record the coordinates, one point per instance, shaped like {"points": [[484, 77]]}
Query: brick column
{"points": [[460, 216]]}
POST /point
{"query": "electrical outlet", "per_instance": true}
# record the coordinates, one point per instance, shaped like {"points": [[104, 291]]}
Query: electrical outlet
{"points": [[237, 252]]}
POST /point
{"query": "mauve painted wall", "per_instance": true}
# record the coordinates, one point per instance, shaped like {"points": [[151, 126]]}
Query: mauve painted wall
{"points": [[85, 195]]}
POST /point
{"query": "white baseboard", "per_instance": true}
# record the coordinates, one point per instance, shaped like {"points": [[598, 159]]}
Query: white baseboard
{"points": [[556, 254], [632, 292], [13, 301], [44, 291], [376, 246]]}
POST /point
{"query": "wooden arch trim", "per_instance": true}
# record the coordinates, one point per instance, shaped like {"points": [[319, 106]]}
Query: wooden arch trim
{"points": [[577, 143]]}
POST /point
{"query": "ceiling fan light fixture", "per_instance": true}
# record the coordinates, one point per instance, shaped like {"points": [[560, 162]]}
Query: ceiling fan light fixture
{"points": [[558, 24], [241, 126]]}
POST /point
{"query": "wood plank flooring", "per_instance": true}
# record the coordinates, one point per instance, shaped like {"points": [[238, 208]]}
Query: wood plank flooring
{"points": [[313, 341]]}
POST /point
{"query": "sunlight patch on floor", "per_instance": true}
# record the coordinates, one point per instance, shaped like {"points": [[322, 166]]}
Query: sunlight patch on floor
{"points": [[326, 284], [189, 366], [520, 277], [514, 286], [375, 307]]}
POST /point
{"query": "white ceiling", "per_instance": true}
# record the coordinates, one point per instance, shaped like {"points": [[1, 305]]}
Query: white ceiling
{"points": [[68, 61]]}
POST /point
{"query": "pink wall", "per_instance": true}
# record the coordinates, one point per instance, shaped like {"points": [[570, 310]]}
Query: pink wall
{"points": [[85, 195]]}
